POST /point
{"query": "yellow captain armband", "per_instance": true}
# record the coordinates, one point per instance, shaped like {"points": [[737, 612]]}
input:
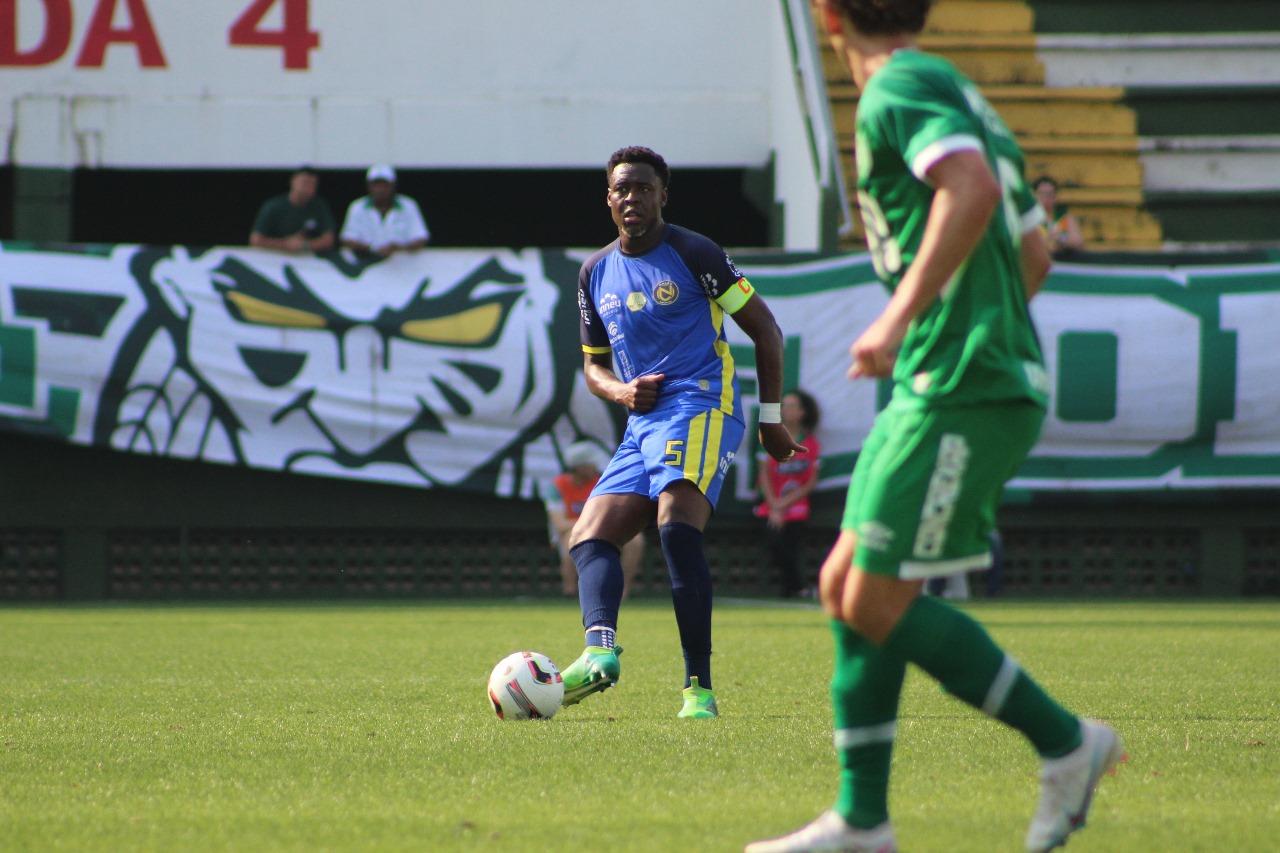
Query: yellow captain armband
{"points": [[595, 350], [735, 297]]}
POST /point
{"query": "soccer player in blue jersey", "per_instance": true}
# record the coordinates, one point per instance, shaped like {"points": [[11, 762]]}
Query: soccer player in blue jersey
{"points": [[653, 304]]}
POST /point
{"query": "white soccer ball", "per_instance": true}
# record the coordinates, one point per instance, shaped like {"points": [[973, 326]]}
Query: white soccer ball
{"points": [[524, 686]]}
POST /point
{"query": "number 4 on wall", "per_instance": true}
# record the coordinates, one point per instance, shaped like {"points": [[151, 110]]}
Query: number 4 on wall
{"points": [[294, 37]]}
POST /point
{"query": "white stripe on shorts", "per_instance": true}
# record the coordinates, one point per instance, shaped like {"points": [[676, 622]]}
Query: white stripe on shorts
{"points": [[863, 735], [998, 692], [914, 570]]}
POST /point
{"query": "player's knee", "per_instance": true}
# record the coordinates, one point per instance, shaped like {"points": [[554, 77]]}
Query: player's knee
{"points": [[591, 526], [573, 539], [866, 617], [681, 501], [875, 605]]}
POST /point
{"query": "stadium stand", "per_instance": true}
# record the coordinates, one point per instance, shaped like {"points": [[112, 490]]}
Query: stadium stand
{"points": [[1085, 136], [1205, 91], [1162, 134]]}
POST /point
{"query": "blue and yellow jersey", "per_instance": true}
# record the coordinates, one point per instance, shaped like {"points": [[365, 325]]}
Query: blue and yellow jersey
{"points": [[663, 312]]}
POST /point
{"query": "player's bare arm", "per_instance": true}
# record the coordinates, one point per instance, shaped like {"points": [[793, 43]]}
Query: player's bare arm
{"points": [[755, 318], [638, 395], [1036, 261], [966, 195]]}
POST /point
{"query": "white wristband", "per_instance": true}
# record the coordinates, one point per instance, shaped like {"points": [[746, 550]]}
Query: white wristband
{"points": [[770, 413]]}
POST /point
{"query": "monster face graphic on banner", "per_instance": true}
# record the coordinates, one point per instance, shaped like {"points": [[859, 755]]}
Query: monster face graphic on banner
{"points": [[439, 374], [332, 369]]}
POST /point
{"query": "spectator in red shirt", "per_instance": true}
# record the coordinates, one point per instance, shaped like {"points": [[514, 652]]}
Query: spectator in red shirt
{"points": [[785, 488], [564, 498]]}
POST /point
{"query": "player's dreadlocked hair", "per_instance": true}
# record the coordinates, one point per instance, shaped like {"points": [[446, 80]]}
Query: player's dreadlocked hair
{"points": [[884, 17], [639, 154]]}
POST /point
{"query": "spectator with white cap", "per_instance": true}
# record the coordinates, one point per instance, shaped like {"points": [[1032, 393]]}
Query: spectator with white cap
{"points": [[384, 222]]}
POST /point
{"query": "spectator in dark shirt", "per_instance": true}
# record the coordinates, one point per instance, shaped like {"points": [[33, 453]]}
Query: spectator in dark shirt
{"points": [[296, 221]]}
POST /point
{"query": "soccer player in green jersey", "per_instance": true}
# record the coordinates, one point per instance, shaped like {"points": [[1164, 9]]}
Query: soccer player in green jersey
{"points": [[953, 232]]}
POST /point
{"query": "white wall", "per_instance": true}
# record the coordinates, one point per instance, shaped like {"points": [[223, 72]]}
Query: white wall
{"points": [[417, 82]]}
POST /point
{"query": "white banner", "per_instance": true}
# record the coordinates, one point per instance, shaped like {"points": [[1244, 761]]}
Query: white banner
{"points": [[462, 369]]}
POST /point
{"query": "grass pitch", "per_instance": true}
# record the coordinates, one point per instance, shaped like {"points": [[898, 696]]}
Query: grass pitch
{"points": [[366, 727]]}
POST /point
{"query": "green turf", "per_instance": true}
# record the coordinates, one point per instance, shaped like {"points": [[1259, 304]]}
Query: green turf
{"points": [[343, 727]]}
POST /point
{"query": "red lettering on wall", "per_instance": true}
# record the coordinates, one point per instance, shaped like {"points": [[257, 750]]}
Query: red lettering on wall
{"points": [[139, 33], [295, 36], [53, 42]]}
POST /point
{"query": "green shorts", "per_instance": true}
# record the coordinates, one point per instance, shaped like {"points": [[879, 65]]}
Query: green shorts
{"points": [[923, 496]]}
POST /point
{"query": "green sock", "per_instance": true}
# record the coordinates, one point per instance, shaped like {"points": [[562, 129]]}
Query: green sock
{"points": [[864, 695], [959, 653]]}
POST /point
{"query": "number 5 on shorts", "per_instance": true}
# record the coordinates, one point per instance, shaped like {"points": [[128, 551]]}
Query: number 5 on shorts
{"points": [[675, 453]]}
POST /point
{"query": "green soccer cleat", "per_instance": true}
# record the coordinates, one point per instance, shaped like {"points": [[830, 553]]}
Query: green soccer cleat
{"points": [[699, 702], [597, 669]]}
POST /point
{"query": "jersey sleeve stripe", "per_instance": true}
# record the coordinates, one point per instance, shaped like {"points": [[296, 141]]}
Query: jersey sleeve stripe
{"points": [[1033, 219], [726, 376], [735, 297], [939, 150], [726, 361], [589, 350]]}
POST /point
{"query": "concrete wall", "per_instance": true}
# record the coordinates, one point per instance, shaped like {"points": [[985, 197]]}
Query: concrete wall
{"points": [[440, 84]]}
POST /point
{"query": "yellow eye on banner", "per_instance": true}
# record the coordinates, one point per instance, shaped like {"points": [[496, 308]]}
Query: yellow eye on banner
{"points": [[473, 326], [255, 310]]}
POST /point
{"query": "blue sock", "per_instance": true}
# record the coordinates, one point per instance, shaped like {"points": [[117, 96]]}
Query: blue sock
{"points": [[599, 566], [600, 636], [691, 595]]}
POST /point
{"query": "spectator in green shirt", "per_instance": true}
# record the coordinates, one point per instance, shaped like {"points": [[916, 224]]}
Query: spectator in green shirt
{"points": [[296, 221]]}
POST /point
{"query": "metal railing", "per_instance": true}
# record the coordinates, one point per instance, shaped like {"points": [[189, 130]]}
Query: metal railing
{"points": [[811, 85]]}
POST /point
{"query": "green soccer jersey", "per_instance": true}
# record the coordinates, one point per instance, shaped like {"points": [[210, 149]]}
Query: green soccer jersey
{"points": [[976, 343]]}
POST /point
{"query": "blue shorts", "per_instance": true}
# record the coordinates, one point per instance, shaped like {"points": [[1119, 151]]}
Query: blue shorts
{"points": [[678, 443]]}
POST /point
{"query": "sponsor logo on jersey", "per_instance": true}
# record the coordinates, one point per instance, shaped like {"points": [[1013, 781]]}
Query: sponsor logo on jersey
{"points": [[875, 535], [795, 465], [636, 300], [710, 285], [862, 157], [584, 308], [609, 304], [666, 292], [983, 110], [613, 331], [1037, 378], [628, 369], [921, 382], [733, 268]]}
